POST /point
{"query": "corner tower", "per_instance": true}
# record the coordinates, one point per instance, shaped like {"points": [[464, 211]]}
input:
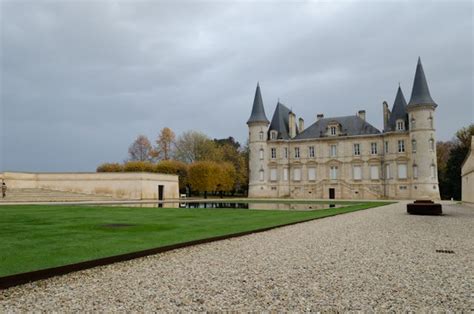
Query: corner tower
{"points": [[258, 155], [421, 109]]}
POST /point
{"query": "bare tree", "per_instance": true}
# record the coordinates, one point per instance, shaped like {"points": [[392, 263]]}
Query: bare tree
{"points": [[141, 149]]}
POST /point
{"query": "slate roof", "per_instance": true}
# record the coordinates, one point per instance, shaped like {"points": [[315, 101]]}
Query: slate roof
{"points": [[258, 111], [399, 111], [420, 94], [280, 122], [350, 125]]}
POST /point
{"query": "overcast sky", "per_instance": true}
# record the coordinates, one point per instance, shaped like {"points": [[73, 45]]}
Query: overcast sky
{"points": [[81, 79]]}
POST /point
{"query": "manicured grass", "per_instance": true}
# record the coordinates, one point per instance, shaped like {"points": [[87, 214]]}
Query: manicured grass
{"points": [[34, 237]]}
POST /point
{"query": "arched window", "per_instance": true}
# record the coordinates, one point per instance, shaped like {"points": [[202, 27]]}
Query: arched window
{"points": [[413, 145], [273, 135], [431, 144], [412, 123], [261, 174], [261, 135], [430, 121], [415, 171], [261, 153], [400, 125]]}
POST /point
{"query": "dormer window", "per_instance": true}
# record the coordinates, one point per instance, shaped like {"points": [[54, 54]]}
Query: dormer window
{"points": [[333, 130], [400, 125], [273, 135]]}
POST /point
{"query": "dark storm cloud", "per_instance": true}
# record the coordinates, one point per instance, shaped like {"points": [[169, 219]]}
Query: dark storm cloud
{"points": [[81, 79]]}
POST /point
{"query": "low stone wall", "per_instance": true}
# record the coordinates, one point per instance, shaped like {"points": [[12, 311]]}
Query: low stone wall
{"points": [[125, 185]]}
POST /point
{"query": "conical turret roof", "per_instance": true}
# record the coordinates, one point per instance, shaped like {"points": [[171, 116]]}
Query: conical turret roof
{"points": [[258, 112], [280, 121], [399, 110], [420, 94]]}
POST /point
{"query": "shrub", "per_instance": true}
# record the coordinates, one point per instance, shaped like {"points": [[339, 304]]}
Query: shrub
{"points": [[110, 167], [174, 167], [138, 166]]}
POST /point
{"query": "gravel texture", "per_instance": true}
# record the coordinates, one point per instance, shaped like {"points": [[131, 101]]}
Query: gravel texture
{"points": [[379, 259]]}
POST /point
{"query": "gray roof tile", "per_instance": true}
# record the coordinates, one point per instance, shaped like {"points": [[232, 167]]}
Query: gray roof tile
{"points": [[350, 126], [258, 111], [420, 94]]}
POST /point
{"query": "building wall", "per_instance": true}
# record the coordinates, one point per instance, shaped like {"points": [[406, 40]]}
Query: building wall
{"points": [[125, 185], [467, 174], [387, 185]]}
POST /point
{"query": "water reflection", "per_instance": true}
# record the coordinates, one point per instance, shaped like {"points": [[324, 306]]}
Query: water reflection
{"points": [[237, 205]]}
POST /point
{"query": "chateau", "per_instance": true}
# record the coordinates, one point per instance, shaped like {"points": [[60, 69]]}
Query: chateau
{"points": [[346, 157]]}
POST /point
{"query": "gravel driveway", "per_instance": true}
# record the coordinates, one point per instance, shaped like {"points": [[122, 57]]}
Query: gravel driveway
{"points": [[377, 259]]}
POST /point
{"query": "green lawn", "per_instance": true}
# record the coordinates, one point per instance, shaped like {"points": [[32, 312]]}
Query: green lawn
{"points": [[35, 237]]}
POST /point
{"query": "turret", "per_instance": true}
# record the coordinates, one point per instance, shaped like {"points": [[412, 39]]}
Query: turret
{"points": [[258, 156], [421, 109]]}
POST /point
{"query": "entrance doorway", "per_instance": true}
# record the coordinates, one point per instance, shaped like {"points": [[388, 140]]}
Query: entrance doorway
{"points": [[332, 193], [161, 189]]}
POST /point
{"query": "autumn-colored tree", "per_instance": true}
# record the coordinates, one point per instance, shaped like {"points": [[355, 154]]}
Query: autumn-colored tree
{"points": [[110, 167], [226, 177], [194, 146], [203, 176], [232, 153], [174, 167], [138, 166], [164, 144], [141, 149]]}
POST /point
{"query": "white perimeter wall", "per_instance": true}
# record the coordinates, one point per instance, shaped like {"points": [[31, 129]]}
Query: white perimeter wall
{"points": [[126, 185]]}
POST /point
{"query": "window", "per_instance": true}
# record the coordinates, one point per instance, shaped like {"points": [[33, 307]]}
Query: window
{"points": [[261, 135], [333, 151], [401, 146], [413, 145], [273, 174], [431, 144], [297, 152], [273, 153], [273, 135], [311, 151], [373, 148], [357, 172], [402, 171], [430, 121], [386, 147], [387, 171], [333, 172], [285, 152], [400, 125], [333, 130], [374, 172], [433, 171], [262, 174], [297, 174], [261, 153], [415, 171], [311, 174], [412, 123], [357, 149], [285, 174]]}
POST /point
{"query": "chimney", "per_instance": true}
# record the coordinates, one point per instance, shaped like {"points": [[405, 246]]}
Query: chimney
{"points": [[361, 114], [300, 125], [319, 116], [386, 115], [292, 124]]}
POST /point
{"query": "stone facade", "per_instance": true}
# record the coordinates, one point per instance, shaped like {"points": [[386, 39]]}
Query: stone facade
{"points": [[467, 173], [346, 157], [126, 185]]}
